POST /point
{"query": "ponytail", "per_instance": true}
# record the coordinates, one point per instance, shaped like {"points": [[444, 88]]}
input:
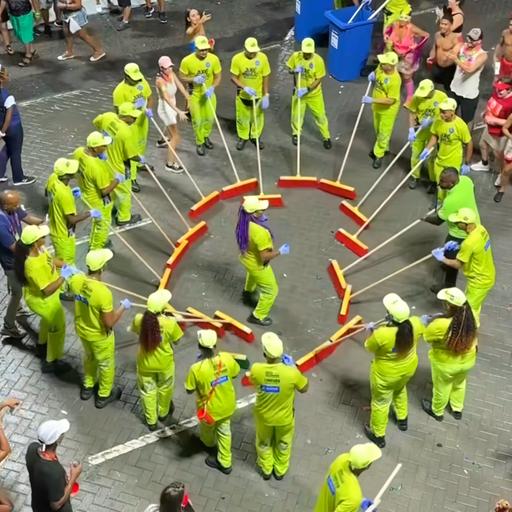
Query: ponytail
{"points": [[20, 257], [404, 340], [462, 332]]}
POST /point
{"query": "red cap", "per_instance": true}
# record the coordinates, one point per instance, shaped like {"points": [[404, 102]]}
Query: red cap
{"points": [[502, 86]]}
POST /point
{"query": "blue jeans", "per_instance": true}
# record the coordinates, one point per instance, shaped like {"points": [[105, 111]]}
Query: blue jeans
{"points": [[12, 151]]}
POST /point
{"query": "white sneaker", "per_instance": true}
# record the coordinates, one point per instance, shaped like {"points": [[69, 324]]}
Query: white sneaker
{"points": [[99, 9], [497, 183], [480, 167]]}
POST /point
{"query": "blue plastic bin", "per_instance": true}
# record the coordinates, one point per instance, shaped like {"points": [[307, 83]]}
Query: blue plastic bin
{"points": [[309, 18], [349, 44]]}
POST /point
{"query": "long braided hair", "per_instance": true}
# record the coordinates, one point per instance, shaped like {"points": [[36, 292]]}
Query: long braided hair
{"points": [[242, 227], [150, 334], [462, 332]]}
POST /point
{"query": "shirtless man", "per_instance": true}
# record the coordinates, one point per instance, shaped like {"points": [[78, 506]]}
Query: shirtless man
{"points": [[446, 43], [503, 53]]}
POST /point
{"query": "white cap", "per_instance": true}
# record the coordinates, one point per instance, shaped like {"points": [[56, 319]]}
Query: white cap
{"points": [[396, 307], [207, 338], [50, 431], [253, 204], [453, 296], [272, 344]]}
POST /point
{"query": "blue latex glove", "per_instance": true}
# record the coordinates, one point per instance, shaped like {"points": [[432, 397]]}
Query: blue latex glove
{"points": [[250, 91], [142, 159], [426, 319], [424, 154], [126, 303], [95, 214], [284, 249], [425, 123], [288, 360], [302, 91], [209, 92], [67, 271], [367, 99], [370, 326], [120, 178], [140, 103], [265, 102], [199, 79], [299, 69], [103, 156], [412, 135], [366, 504], [438, 253], [149, 113], [464, 170], [371, 77], [452, 245], [76, 192]]}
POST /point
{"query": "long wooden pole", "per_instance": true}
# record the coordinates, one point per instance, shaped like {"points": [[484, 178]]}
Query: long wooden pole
{"points": [[384, 488], [258, 154]]}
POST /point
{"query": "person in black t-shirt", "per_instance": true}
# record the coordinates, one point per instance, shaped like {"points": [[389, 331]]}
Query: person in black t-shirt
{"points": [[51, 486]]}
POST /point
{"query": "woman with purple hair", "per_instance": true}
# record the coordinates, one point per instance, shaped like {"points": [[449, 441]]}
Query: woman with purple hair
{"points": [[255, 241]]}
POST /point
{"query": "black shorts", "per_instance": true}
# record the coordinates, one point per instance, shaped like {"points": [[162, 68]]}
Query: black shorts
{"points": [[5, 16], [443, 76], [124, 3]]}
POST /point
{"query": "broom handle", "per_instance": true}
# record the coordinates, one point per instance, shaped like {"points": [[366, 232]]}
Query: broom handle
{"points": [[376, 13], [350, 142], [361, 5], [128, 292], [156, 180], [386, 242], [386, 170], [180, 161], [258, 156], [391, 195], [189, 319], [230, 158], [417, 262], [384, 488], [299, 127]]}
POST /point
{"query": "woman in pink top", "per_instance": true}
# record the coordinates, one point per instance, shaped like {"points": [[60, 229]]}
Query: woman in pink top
{"points": [[406, 40]]}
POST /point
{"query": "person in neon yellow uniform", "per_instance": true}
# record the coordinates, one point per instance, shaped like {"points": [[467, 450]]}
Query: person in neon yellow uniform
{"points": [[308, 69], [37, 271], [95, 318], [255, 242], [451, 134], [341, 491], [423, 112], [453, 339], [121, 128], [276, 382], [135, 89], [211, 378], [96, 185], [155, 359], [394, 9], [250, 72], [62, 210], [474, 258], [202, 70], [395, 362], [385, 101]]}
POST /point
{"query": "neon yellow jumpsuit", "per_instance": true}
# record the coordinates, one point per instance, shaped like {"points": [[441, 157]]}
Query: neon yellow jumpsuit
{"points": [[200, 109], [92, 299], [140, 92], [155, 370], [94, 176], [40, 271], [341, 491], [61, 204], [212, 380], [478, 266], [250, 72], [120, 152], [259, 276], [393, 10], [384, 116], [449, 370], [424, 108], [314, 69], [389, 375], [274, 413]]}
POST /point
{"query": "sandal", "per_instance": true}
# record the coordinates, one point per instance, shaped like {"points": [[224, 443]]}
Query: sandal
{"points": [[65, 56], [92, 58], [9, 49], [27, 59]]}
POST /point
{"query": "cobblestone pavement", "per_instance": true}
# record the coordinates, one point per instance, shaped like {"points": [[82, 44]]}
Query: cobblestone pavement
{"points": [[450, 466]]}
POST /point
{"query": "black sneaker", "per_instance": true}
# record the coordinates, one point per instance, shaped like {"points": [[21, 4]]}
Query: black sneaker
{"points": [[86, 393], [123, 25], [262, 146], [241, 144], [432, 188], [136, 217], [102, 402], [371, 154], [175, 167], [265, 322], [265, 476], [56, 366], [200, 150], [456, 414], [377, 163], [498, 197], [208, 144], [148, 11], [212, 462], [161, 143], [27, 180], [162, 17], [295, 140], [426, 405], [327, 143], [413, 182], [249, 299], [12, 332], [276, 476], [152, 427], [402, 425], [379, 441], [135, 187]]}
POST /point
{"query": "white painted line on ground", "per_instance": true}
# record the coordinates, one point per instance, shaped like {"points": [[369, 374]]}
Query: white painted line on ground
{"points": [[154, 437]]}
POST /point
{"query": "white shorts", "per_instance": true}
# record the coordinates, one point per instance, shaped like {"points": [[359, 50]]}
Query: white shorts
{"points": [[507, 152], [497, 144], [167, 114]]}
